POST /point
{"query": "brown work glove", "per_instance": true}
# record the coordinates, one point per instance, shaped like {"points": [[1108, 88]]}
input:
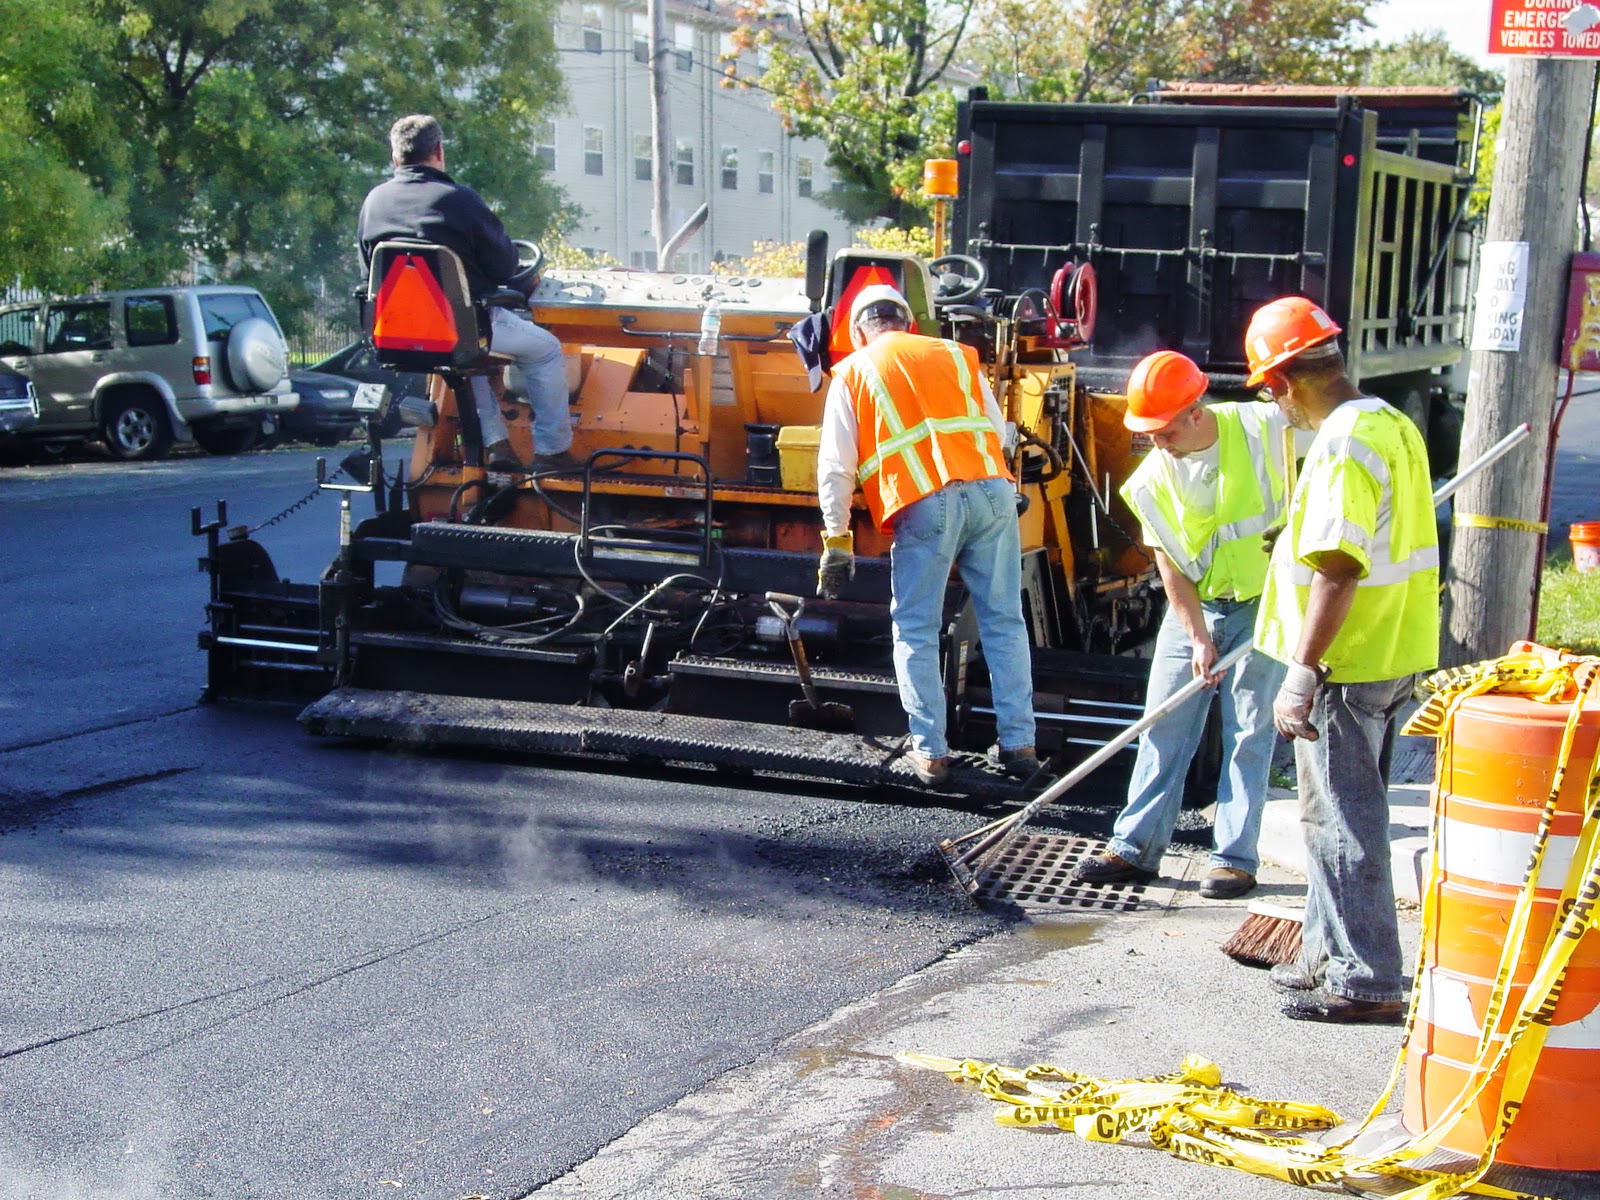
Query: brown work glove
{"points": [[837, 565]]}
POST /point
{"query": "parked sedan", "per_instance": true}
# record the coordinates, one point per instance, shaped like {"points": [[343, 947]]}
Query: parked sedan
{"points": [[19, 407], [359, 361], [331, 409]]}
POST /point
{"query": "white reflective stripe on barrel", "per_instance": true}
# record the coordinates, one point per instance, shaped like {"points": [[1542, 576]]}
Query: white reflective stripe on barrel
{"points": [[1446, 1003], [1468, 850]]}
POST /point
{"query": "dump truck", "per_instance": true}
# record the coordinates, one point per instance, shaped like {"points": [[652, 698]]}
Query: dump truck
{"points": [[659, 604], [1165, 224]]}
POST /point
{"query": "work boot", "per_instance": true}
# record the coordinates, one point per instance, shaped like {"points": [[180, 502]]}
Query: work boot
{"points": [[1021, 763], [1110, 868], [1225, 883], [502, 458], [930, 772], [560, 461], [1319, 1004], [1291, 977]]}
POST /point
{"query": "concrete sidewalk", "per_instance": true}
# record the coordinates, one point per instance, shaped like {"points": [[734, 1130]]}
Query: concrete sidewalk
{"points": [[831, 1113]]}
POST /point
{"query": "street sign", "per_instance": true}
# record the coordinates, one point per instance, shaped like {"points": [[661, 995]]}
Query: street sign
{"points": [[1545, 28]]}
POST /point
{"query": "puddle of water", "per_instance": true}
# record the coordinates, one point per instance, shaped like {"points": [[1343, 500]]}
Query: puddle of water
{"points": [[819, 1058], [1062, 934]]}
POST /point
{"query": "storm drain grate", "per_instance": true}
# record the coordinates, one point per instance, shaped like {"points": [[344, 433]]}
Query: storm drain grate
{"points": [[1035, 872]]}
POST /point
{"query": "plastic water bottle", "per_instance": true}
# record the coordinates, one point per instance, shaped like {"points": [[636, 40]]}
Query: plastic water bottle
{"points": [[711, 327]]}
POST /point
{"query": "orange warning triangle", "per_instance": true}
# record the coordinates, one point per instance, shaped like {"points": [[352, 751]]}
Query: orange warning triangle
{"points": [[839, 342], [412, 312]]}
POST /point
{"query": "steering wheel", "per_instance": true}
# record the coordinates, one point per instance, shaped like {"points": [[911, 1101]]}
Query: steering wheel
{"points": [[530, 259], [959, 277]]}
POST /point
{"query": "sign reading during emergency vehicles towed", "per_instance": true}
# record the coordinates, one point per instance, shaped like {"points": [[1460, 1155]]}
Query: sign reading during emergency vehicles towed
{"points": [[1545, 28]]}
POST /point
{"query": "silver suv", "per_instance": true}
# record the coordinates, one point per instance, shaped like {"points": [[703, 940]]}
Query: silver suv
{"points": [[145, 368]]}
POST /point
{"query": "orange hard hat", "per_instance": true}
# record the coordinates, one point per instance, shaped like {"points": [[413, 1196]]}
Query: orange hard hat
{"points": [[1162, 385], [1282, 329]]}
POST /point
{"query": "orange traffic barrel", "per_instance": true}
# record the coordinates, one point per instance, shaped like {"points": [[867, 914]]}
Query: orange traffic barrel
{"points": [[1495, 778], [1585, 537]]}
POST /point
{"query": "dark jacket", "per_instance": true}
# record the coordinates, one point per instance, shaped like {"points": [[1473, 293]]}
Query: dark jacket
{"points": [[421, 202]]}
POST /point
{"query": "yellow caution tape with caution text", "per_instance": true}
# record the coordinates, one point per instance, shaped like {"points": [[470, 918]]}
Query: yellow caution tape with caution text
{"points": [[1189, 1114]]}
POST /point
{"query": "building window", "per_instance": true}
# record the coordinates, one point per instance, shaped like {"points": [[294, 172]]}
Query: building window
{"points": [[683, 46], [730, 168], [804, 176], [765, 163], [643, 156], [594, 150], [641, 38], [644, 260], [544, 145], [683, 162], [593, 23]]}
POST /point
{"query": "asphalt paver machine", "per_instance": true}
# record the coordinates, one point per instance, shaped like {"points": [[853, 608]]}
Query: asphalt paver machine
{"points": [[658, 603]]}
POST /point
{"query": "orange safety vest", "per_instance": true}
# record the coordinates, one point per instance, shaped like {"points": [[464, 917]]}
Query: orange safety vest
{"points": [[920, 422]]}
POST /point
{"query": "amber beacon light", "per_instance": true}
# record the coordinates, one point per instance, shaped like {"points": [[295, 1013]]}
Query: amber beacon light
{"points": [[940, 183]]}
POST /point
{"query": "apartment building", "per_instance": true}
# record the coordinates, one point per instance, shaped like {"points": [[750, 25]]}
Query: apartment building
{"points": [[728, 146]]}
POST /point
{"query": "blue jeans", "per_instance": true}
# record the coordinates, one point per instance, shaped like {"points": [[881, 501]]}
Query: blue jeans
{"points": [[1155, 793], [1352, 938], [972, 525], [544, 374]]}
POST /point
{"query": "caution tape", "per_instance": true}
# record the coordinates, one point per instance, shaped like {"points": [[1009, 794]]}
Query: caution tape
{"points": [[1189, 1114], [1463, 520], [1536, 672]]}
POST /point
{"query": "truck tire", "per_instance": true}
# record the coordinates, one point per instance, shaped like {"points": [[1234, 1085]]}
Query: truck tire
{"points": [[227, 439], [254, 358], [135, 427]]}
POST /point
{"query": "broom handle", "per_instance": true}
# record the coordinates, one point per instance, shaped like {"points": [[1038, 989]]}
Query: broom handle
{"points": [[1073, 777], [993, 838]]}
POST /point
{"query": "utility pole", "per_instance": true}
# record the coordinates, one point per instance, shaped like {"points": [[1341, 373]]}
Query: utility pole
{"points": [[660, 144], [1544, 125]]}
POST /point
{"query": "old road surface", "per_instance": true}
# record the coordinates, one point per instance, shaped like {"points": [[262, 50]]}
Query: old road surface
{"points": [[239, 962]]}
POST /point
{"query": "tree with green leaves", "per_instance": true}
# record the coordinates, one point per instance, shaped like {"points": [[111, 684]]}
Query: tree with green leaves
{"points": [[1108, 50], [54, 217], [249, 130], [1426, 59], [867, 77]]}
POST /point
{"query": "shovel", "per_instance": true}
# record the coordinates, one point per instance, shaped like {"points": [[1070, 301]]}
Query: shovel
{"points": [[810, 712]]}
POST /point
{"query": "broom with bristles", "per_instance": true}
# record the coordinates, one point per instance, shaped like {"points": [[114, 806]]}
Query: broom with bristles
{"points": [[1269, 936]]}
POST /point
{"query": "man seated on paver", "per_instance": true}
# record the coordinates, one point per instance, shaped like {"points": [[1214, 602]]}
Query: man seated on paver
{"points": [[421, 201]]}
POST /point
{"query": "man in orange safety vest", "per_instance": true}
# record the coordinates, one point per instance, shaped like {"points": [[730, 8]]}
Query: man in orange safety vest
{"points": [[913, 421]]}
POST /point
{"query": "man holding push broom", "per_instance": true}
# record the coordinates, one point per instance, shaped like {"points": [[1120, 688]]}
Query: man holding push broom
{"points": [[1213, 485]]}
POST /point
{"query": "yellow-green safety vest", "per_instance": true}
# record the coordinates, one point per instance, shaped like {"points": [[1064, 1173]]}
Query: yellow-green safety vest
{"points": [[1365, 490], [1221, 551]]}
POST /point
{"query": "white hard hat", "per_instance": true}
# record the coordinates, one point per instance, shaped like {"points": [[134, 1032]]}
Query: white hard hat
{"points": [[876, 293]]}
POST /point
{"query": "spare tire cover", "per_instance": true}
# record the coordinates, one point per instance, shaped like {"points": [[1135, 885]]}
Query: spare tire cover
{"points": [[256, 358]]}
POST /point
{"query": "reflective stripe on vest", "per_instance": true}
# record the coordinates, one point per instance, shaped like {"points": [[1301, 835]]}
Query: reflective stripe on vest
{"points": [[1250, 500], [1368, 464], [936, 447]]}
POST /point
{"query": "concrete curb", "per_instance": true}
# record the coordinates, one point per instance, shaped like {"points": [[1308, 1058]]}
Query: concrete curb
{"points": [[1281, 841]]}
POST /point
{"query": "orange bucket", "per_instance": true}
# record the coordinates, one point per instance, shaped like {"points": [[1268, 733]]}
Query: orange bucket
{"points": [[1585, 538], [1505, 750]]}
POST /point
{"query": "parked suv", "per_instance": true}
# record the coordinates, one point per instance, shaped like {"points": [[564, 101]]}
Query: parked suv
{"points": [[142, 369]]}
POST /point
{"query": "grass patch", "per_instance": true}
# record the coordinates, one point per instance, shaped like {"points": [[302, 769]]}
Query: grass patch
{"points": [[1569, 608]]}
